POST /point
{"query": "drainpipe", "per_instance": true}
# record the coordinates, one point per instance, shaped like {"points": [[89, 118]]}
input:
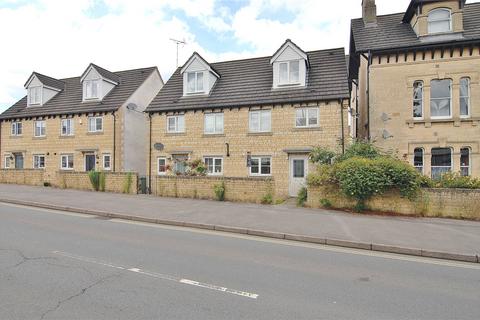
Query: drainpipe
{"points": [[150, 154], [343, 126], [368, 92], [114, 139]]}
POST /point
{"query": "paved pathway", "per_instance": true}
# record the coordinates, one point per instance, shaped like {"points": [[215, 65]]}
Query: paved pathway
{"points": [[446, 235]]}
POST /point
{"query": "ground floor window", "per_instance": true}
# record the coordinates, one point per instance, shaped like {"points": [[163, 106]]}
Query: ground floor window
{"points": [[418, 159], [180, 164], [465, 162], [39, 161], [8, 162], [162, 166], [107, 162], [66, 162], [441, 162], [214, 165], [261, 166]]}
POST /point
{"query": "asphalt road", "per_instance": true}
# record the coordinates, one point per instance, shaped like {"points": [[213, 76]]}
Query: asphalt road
{"points": [[66, 266]]}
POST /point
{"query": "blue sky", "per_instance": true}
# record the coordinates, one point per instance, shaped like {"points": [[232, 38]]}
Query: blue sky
{"points": [[60, 38]]}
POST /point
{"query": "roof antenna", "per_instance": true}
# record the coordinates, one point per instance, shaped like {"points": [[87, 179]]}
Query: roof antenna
{"points": [[178, 42]]}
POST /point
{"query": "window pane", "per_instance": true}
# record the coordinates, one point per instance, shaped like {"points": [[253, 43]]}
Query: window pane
{"points": [[294, 71], [199, 81], [283, 73], [254, 166], [171, 124], [298, 168], [266, 121], [440, 103], [191, 82], [265, 166], [218, 165], [209, 123], [254, 121], [312, 117], [99, 123], [162, 165], [180, 123], [418, 158], [465, 157], [440, 88], [441, 157], [219, 123], [438, 26], [301, 117], [418, 99], [464, 97]]}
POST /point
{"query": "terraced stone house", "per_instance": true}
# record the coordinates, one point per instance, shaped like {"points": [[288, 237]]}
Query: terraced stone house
{"points": [[415, 83], [251, 118], [91, 122]]}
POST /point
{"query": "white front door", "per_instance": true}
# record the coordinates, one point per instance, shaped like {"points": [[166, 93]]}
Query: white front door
{"points": [[298, 174]]}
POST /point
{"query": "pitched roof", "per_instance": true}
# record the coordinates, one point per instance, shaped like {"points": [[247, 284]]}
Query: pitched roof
{"points": [[47, 81], [103, 72], [415, 3], [249, 82], [392, 33], [69, 101]]}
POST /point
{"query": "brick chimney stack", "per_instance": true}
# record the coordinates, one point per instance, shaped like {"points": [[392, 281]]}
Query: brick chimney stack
{"points": [[369, 12]]}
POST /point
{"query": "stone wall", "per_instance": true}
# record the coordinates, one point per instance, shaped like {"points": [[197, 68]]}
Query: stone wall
{"points": [[114, 182], [236, 189], [446, 203], [26, 176]]}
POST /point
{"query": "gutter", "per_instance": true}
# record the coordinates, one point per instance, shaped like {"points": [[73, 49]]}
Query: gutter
{"points": [[114, 139]]}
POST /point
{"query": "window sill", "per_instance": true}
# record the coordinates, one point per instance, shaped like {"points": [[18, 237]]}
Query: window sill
{"points": [[66, 136], [213, 135], [173, 134], [16, 137], [307, 129], [428, 122], [39, 138], [260, 134], [94, 133]]}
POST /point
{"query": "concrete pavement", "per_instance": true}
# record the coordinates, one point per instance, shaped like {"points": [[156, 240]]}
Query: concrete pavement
{"points": [[70, 266], [443, 235]]}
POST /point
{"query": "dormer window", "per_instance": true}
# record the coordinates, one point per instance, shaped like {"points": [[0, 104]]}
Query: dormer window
{"points": [[289, 72], [34, 95], [439, 21], [195, 82], [92, 89]]}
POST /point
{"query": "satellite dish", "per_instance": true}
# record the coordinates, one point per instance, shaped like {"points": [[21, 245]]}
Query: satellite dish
{"points": [[158, 146], [132, 106], [385, 117], [386, 135]]}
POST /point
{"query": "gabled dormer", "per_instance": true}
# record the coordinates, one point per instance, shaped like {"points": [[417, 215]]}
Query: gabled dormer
{"points": [[97, 83], [436, 19], [198, 76], [290, 65], [40, 89]]}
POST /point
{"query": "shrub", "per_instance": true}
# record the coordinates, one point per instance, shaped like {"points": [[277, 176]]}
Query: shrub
{"points": [[302, 197], [361, 149], [322, 156], [94, 177], [267, 199], [400, 175], [102, 179], [196, 168], [127, 184], [456, 181], [323, 176], [325, 203], [219, 190]]}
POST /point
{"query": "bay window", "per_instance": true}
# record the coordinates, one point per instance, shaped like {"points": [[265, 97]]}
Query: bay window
{"points": [[418, 159], [441, 162], [465, 162]]}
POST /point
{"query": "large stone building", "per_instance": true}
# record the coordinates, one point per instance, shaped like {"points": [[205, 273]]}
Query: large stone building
{"points": [[415, 80], [251, 118], [80, 124]]}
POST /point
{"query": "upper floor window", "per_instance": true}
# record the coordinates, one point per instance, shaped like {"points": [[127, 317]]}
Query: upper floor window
{"points": [[34, 95], [418, 159], [289, 72], [176, 124], [195, 82], [306, 117], [92, 89], [418, 100], [16, 128], [439, 20], [67, 127], [441, 99], [39, 128], [465, 97], [260, 121], [214, 123], [95, 124]]}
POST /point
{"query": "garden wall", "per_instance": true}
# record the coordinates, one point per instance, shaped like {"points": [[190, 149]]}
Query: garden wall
{"points": [[447, 203], [236, 189], [30, 177]]}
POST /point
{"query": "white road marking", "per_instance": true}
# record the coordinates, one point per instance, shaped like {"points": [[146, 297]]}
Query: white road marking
{"points": [[162, 276], [64, 213]]}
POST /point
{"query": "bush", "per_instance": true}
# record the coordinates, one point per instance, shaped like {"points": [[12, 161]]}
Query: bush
{"points": [[127, 184], [322, 156], [302, 197], [101, 182], [400, 175], [456, 181], [267, 199], [94, 177], [323, 176], [219, 190], [325, 203], [196, 168], [361, 149]]}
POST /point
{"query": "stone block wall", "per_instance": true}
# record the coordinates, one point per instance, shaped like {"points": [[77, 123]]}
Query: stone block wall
{"points": [[236, 189], [30, 177], [114, 182]]}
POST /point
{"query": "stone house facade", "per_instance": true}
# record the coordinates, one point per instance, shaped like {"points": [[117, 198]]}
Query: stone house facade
{"points": [[253, 118], [92, 122], [415, 82]]}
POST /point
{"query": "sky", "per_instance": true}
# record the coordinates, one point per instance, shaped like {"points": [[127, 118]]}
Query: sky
{"points": [[59, 38]]}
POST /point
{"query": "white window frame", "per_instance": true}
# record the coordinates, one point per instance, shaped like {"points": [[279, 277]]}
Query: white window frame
{"points": [[96, 125], [468, 97], [42, 128], [32, 95], [418, 100], [430, 20], [67, 168], [36, 158], [69, 120], [260, 174], [451, 99], [14, 129], [469, 167], [214, 159], [216, 116], [307, 124], [177, 128], [422, 167], [259, 113], [451, 161], [7, 160], [90, 95], [290, 81], [161, 173], [196, 89], [109, 161]]}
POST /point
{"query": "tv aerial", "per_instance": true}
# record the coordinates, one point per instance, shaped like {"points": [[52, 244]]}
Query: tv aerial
{"points": [[178, 42]]}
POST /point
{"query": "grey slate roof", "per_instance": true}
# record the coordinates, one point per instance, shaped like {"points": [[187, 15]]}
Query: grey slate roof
{"points": [[103, 72], [48, 81], [69, 101], [249, 82], [391, 33]]}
